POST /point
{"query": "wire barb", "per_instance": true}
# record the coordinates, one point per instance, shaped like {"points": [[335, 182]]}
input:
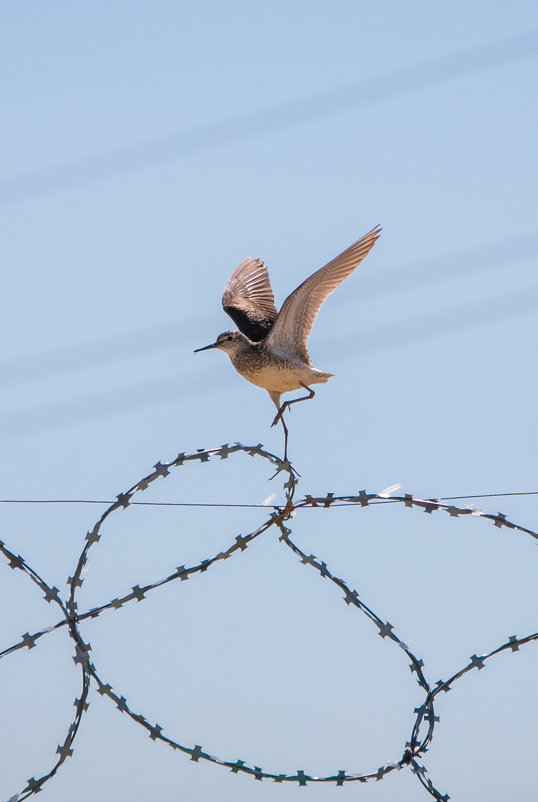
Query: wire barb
{"points": [[425, 717]]}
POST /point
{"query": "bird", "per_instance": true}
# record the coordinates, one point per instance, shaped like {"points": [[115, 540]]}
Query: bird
{"points": [[269, 348]]}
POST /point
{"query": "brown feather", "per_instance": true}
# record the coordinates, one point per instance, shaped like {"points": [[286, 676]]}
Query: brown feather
{"points": [[249, 300], [290, 331]]}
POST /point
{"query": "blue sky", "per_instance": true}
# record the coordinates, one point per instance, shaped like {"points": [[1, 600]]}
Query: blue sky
{"points": [[147, 149]]}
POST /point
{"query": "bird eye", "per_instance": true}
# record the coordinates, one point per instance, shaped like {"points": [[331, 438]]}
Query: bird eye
{"points": [[230, 338]]}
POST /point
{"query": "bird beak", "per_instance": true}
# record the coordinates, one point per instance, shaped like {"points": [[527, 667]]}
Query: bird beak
{"points": [[205, 348]]}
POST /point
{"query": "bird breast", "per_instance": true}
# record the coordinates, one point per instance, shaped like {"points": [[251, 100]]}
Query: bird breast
{"points": [[274, 375]]}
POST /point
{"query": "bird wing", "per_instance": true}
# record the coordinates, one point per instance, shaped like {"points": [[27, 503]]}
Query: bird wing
{"points": [[294, 323], [249, 300]]}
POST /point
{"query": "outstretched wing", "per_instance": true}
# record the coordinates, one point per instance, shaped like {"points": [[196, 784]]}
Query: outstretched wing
{"points": [[290, 331], [249, 300]]}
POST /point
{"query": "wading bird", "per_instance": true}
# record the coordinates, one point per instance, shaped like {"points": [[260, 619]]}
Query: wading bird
{"points": [[269, 349]]}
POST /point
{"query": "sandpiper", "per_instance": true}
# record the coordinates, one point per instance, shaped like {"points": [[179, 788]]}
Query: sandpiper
{"points": [[269, 349]]}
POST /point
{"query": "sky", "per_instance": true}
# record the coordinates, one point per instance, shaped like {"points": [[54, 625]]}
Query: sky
{"points": [[146, 150]]}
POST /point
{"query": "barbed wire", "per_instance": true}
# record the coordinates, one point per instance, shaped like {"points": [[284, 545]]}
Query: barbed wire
{"points": [[425, 718]]}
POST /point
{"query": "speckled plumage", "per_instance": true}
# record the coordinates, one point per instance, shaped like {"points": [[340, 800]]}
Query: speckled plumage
{"points": [[270, 348]]}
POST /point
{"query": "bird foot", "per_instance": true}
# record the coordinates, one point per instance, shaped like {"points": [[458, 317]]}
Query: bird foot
{"points": [[288, 509]]}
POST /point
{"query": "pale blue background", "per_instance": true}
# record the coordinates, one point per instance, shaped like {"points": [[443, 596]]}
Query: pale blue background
{"points": [[112, 274]]}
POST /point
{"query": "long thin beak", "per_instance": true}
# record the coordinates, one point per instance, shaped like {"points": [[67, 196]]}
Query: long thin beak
{"points": [[205, 348]]}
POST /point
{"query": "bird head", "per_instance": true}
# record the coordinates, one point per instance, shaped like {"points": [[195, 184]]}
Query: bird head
{"points": [[230, 341]]}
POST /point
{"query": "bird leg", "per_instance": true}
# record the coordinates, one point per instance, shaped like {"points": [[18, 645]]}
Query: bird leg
{"points": [[286, 404], [285, 439], [286, 448]]}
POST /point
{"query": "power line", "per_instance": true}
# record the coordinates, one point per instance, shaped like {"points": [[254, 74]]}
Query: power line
{"points": [[164, 336], [491, 495], [270, 120], [133, 503], [179, 386], [243, 506]]}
